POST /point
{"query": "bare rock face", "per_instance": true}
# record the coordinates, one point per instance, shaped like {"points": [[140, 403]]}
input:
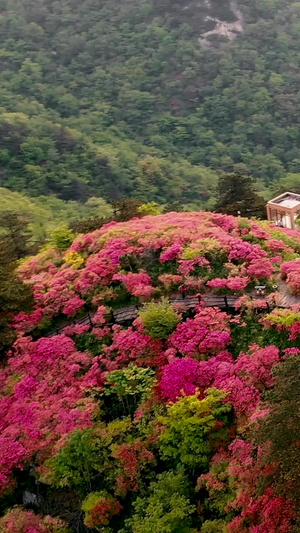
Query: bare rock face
{"points": [[210, 19], [29, 498], [222, 27]]}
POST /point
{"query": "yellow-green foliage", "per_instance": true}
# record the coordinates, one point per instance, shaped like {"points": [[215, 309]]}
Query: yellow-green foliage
{"points": [[244, 223], [62, 238], [284, 317], [92, 499], [152, 208], [191, 253], [289, 241], [201, 247], [74, 259], [214, 526], [45, 213], [289, 256], [188, 426], [159, 319]]}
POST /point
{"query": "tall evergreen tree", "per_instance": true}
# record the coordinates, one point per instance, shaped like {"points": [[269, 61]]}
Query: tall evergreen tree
{"points": [[236, 195], [15, 296]]}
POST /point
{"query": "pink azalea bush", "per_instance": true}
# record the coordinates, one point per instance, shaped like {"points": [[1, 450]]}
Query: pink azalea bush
{"points": [[100, 316], [291, 272], [185, 376], [170, 253], [232, 283], [50, 386], [137, 284], [185, 240], [133, 345], [45, 401], [265, 514], [182, 377], [73, 305], [19, 521], [207, 333], [260, 268]]}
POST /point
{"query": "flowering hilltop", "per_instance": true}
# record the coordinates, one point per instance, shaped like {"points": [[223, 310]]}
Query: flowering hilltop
{"points": [[149, 426]]}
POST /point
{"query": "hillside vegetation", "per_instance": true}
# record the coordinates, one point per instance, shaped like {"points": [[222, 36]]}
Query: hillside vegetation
{"points": [[120, 98], [42, 214], [182, 421]]}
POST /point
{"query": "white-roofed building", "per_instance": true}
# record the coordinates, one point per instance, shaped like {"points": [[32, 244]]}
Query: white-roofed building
{"points": [[284, 210]]}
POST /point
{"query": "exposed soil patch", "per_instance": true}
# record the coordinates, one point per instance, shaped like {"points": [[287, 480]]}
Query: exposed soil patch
{"points": [[208, 18], [223, 27]]}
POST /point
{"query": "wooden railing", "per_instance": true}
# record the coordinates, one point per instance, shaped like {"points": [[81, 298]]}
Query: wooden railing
{"points": [[128, 314]]}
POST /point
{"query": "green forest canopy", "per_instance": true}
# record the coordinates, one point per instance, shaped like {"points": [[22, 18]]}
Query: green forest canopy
{"points": [[119, 98], [42, 214]]}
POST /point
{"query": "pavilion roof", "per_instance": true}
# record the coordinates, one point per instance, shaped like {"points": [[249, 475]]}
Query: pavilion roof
{"points": [[287, 200]]}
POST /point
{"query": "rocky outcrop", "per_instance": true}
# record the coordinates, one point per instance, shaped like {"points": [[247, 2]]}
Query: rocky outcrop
{"points": [[208, 18], [227, 29]]}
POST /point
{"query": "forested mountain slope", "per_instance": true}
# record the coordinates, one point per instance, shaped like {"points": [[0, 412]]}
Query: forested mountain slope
{"points": [[121, 98]]}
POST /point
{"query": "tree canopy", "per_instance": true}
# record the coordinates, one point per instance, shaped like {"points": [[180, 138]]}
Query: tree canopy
{"points": [[122, 100], [236, 195]]}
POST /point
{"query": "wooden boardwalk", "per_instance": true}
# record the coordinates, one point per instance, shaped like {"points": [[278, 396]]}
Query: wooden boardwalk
{"points": [[130, 313], [284, 297], [126, 315]]}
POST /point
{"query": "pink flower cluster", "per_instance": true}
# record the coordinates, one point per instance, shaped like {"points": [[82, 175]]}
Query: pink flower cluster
{"points": [[232, 283], [100, 316], [137, 284], [73, 305], [243, 379], [170, 253], [133, 345], [207, 333], [43, 398], [186, 266], [291, 271], [18, 520], [260, 268], [245, 251], [186, 242]]}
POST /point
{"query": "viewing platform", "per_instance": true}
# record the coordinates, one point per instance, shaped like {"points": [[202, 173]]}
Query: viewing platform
{"points": [[284, 210]]}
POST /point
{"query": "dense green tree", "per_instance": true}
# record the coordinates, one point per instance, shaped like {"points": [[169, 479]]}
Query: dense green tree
{"points": [[126, 208], [85, 463], [126, 388], [236, 195], [87, 225], [167, 508], [159, 319], [15, 296], [291, 182], [16, 234], [189, 426]]}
